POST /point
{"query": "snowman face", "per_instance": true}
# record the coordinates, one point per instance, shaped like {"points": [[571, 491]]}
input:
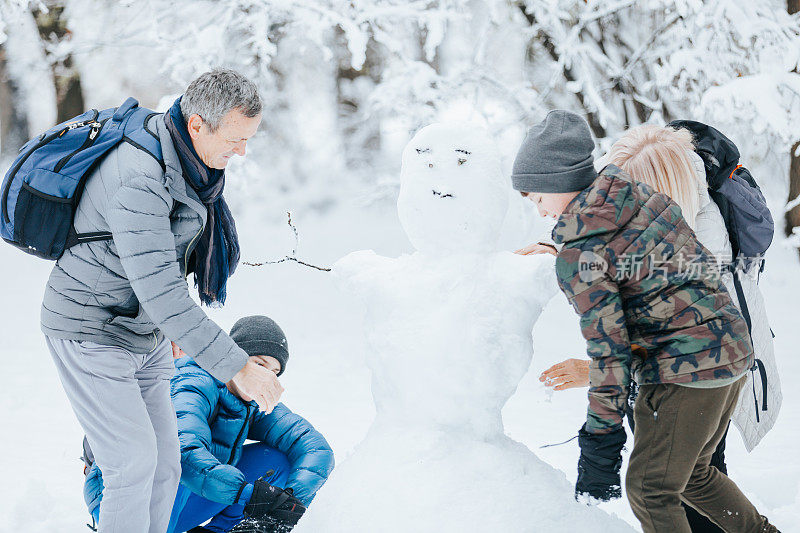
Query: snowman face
{"points": [[453, 195]]}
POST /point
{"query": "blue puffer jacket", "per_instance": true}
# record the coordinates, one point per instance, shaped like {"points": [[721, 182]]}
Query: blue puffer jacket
{"points": [[213, 424]]}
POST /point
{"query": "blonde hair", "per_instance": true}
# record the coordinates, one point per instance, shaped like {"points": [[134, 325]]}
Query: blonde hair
{"points": [[660, 157]]}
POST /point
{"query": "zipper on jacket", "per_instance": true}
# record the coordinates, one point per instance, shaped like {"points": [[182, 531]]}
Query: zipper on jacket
{"points": [[188, 250], [239, 436], [43, 141]]}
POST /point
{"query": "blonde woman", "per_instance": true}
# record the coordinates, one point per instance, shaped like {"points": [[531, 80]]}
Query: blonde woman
{"points": [[665, 159]]}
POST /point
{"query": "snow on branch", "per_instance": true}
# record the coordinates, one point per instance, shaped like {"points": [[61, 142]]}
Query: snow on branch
{"points": [[601, 13], [342, 80], [791, 205]]}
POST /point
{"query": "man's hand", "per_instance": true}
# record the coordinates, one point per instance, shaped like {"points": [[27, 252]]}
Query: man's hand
{"points": [[537, 248], [567, 374], [260, 385], [177, 353]]}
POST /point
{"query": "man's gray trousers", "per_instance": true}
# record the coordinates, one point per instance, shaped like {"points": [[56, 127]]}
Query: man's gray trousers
{"points": [[122, 401]]}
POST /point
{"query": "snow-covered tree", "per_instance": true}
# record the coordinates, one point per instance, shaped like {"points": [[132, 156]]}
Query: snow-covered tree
{"points": [[733, 64], [27, 92], [346, 81]]}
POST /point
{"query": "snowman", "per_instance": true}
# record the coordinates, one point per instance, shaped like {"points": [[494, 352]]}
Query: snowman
{"points": [[449, 339]]}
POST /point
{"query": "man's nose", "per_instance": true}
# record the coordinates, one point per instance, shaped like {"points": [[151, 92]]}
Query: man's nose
{"points": [[240, 148]]}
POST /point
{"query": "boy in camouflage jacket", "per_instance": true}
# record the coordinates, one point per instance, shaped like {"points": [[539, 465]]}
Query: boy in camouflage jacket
{"points": [[651, 307]]}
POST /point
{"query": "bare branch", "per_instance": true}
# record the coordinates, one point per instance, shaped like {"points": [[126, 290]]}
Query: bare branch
{"points": [[292, 257]]}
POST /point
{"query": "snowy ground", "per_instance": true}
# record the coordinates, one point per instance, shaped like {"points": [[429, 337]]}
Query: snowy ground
{"points": [[327, 380]]}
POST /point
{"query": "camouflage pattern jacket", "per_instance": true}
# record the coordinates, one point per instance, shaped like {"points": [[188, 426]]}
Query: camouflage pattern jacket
{"points": [[650, 301]]}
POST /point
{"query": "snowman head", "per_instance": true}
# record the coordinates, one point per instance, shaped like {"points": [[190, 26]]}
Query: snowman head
{"points": [[453, 195]]}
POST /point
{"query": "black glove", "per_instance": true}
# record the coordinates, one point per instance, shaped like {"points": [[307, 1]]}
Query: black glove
{"points": [[286, 515], [599, 464], [274, 505]]}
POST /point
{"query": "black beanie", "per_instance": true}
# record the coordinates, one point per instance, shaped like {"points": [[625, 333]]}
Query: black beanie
{"points": [[260, 335]]}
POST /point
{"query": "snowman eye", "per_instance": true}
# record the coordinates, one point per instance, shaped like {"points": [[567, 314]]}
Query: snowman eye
{"points": [[423, 150]]}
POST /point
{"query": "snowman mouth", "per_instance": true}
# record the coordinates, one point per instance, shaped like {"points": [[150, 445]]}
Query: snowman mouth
{"points": [[440, 195]]}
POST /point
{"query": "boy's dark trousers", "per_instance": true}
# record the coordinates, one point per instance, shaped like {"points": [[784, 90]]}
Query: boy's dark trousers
{"points": [[697, 522], [677, 430]]}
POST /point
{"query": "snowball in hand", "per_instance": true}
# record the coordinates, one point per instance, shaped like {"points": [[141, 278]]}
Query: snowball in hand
{"points": [[453, 195]]}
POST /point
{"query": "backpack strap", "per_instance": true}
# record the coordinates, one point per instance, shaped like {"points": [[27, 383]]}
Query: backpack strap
{"points": [[757, 364], [742, 301], [75, 238], [139, 135], [762, 371], [132, 119]]}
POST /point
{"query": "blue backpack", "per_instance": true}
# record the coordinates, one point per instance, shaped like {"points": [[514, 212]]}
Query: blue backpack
{"points": [[41, 190]]}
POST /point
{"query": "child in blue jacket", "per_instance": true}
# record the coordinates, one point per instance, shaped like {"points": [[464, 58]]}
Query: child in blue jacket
{"points": [[262, 486]]}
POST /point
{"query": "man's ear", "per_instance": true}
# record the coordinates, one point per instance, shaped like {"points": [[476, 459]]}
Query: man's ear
{"points": [[194, 125]]}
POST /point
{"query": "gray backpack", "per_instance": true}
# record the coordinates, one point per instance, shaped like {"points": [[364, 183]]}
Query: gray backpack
{"points": [[740, 200], [747, 219], [732, 187]]}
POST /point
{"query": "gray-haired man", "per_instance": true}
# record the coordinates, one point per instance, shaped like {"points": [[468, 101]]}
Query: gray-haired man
{"points": [[110, 306]]}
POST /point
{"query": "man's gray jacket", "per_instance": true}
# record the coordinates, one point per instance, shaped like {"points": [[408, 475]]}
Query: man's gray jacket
{"points": [[131, 291]]}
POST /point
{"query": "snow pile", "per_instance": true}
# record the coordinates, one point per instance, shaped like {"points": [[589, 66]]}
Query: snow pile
{"points": [[449, 335]]}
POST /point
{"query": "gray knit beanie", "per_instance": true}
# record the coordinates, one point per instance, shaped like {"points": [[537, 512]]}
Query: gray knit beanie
{"points": [[260, 335], [556, 155]]}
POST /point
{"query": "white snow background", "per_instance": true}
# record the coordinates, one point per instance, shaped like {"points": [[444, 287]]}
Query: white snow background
{"points": [[696, 69], [327, 380]]}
